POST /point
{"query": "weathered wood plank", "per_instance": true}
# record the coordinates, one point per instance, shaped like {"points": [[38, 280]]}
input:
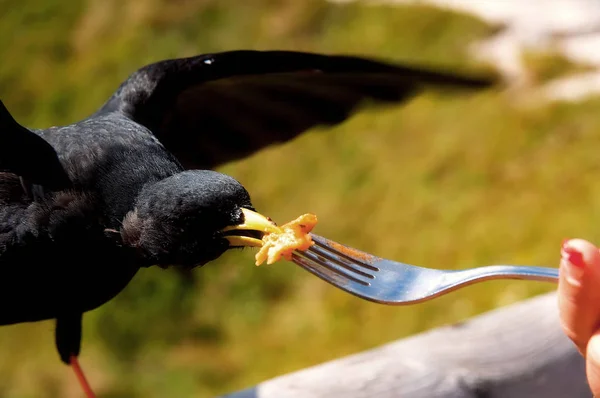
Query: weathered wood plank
{"points": [[514, 352]]}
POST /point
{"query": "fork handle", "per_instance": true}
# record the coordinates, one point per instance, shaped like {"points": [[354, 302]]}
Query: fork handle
{"points": [[522, 272]]}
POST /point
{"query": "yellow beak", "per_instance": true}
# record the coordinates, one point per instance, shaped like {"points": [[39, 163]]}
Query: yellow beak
{"points": [[253, 221]]}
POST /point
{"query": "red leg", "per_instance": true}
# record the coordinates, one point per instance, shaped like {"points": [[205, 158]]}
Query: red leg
{"points": [[81, 377]]}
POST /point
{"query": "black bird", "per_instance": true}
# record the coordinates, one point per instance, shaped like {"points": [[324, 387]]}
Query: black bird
{"points": [[84, 206]]}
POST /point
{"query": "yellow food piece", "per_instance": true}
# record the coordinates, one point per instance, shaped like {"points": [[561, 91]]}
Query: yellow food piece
{"points": [[291, 236]]}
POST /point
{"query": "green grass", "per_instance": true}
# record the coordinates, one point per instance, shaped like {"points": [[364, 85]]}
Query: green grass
{"points": [[447, 181]]}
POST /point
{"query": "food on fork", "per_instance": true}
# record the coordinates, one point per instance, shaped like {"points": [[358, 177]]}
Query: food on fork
{"points": [[291, 236], [274, 241]]}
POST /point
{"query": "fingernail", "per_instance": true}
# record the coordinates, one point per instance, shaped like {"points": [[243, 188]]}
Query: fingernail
{"points": [[572, 260], [572, 255]]}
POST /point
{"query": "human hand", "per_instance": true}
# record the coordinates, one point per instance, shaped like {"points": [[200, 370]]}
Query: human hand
{"points": [[579, 303]]}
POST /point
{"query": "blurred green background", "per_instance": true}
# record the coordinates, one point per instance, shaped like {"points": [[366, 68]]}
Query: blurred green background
{"points": [[444, 181]]}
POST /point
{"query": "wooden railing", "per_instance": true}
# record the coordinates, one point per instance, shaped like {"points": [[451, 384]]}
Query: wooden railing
{"points": [[518, 351]]}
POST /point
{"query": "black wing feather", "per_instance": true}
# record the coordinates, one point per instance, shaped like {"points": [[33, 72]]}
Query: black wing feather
{"points": [[211, 109], [26, 154]]}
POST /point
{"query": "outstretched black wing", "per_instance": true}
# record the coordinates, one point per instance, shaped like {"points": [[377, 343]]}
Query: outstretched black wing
{"points": [[28, 155], [215, 108]]}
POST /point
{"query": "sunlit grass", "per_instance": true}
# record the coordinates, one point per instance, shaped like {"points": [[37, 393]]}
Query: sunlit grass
{"points": [[447, 181]]}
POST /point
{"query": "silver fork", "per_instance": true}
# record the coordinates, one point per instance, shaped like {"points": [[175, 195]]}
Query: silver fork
{"points": [[390, 282]]}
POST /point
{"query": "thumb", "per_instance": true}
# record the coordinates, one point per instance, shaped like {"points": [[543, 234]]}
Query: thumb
{"points": [[592, 364]]}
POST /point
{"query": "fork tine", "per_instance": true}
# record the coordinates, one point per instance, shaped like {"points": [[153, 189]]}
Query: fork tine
{"points": [[333, 267], [340, 260], [345, 254], [316, 269]]}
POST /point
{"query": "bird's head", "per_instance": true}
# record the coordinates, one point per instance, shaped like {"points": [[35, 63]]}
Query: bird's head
{"points": [[191, 218]]}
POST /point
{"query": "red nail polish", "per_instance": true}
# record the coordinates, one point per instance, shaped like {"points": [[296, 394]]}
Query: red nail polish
{"points": [[572, 255]]}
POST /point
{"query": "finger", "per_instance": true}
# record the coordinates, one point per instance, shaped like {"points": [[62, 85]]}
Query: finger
{"points": [[579, 291], [593, 363]]}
